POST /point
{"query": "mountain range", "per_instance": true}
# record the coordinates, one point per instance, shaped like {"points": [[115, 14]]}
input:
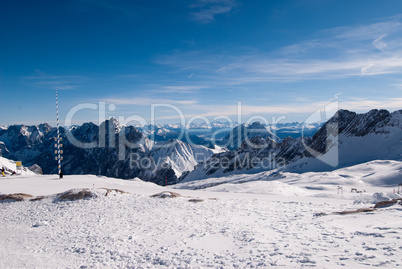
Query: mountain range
{"points": [[346, 139], [114, 150], [109, 150]]}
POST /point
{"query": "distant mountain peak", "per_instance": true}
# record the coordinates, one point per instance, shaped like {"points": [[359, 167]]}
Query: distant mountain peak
{"points": [[256, 125]]}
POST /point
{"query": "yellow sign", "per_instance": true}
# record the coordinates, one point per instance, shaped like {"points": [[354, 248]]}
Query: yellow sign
{"points": [[18, 164]]}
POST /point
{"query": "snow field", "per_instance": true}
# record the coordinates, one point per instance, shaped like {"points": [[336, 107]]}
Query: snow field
{"points": [[256, 221], [237, 231]]}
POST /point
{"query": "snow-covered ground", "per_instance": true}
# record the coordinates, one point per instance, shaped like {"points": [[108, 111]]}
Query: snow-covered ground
{"points": [[256, 221], [367, 178], [10, 165]]}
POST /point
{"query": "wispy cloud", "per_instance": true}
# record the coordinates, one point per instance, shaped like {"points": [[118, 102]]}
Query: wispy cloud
{"points": [[148, 101], [363, 50], [259, 68], [379, 44], [397, 85], [367, 32], [356, 104], [208, 9], [43, 80], [319, 69], [182, 89], [363, 104]]}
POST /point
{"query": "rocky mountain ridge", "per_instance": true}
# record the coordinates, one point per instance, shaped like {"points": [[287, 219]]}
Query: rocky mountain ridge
{"points": [[347, 138]]}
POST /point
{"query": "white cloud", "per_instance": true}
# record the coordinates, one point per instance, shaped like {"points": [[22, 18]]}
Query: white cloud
{"points": [[379, 43], [208, 9], [297, 108], [43, 80], [367, 32], [366, 68], [182, 89], [338, 53], [287, 69], [362, 104], [397, 85], [148, 101]]}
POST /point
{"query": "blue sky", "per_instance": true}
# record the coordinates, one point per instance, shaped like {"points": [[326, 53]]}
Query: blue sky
{"points": [[278, 58]]}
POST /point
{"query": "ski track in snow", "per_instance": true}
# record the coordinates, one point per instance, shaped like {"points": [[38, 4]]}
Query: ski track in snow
{"points": [[136, 231]]}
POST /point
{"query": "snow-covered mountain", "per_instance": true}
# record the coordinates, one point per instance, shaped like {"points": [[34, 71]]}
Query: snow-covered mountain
{"points": [[110, 149], [242, 133], [212, 125], [19, 136], [355, 138], [346, 139], [157, 133], [294, 129], [222, 133], [10, 167], [168, 132], [180, 156], [194, 125]]}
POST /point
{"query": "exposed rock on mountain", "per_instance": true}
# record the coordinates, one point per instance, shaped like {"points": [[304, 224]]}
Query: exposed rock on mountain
{"points": [[346, 139], [242, 133], [110, 149]]}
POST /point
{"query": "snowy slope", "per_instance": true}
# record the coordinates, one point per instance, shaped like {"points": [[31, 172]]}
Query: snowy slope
{"points": [[51, 184], [111, 149], [346, 139], [9, 166], [370, 177], [181, 156], [236, 230], [294, 129], [374, 135]]}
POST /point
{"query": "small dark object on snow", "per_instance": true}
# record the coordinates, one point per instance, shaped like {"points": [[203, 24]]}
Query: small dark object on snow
{"points": [[166, 194], [196, 200], [320, 214]]}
